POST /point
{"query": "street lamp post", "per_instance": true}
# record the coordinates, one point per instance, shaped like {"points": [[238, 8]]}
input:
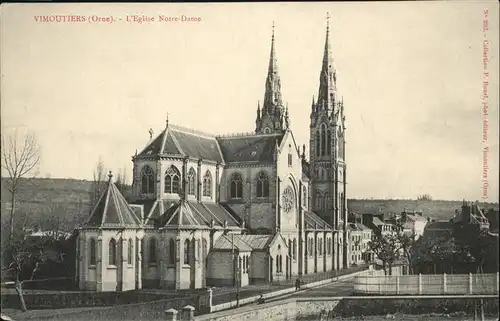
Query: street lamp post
{"points": [[236, 269]]}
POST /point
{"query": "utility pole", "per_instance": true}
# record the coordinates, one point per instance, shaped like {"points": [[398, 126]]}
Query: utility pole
{"points": [[236, 269]]}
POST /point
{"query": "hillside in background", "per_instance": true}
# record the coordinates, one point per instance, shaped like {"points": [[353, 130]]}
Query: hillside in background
{"points": [[69, 200], [436, 209]]}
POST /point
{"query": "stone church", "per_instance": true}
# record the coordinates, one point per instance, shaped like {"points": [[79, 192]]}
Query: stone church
{"points": [[224, 210]]}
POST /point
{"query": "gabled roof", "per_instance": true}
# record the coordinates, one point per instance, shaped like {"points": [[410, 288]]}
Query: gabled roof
{"points": [[112, 210], [249, 148], [226, 242], [179, 141], [275, 238], [257, 242], [313, 221], [165, 213]]}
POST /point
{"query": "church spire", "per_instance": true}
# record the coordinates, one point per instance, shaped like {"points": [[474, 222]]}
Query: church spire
{"points": [[272, 96], [272, 111], [328, 79]]}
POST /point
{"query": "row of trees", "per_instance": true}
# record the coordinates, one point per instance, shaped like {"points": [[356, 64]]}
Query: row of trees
{"points": [[442, 254]]}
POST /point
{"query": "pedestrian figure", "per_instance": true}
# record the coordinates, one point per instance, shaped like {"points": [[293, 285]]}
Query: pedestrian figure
{"points": [[261, 299], [297, 284]]}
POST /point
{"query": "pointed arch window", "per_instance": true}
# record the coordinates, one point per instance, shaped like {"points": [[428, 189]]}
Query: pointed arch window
{"points": [[328, 142], [112, 252], [147, 180], [186, 251], [207, 184], [318, 144], [172, 180], [320, 247], [152, 251], [130, 255], [191, 181], [262, 185], [289, 155], [171, 251], [236, 186], [93, 248], [319, 200], [326, 199], [323, 139]]}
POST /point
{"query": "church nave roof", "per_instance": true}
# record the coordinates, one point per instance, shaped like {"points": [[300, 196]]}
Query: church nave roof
{"points": [[249, 148], [179, 141]]}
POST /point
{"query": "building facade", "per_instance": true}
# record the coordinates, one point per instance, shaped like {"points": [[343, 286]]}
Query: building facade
{"points": [[227, 210], [359, 236]]}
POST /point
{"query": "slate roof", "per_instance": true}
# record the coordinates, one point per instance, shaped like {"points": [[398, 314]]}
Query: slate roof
{"points": [[190, 213], [179, 141], [439, 225], [112, 210], [257, 242], [417, 218], [313, 221], [225, 242], [250, 148], [362, 227], [357, 227], [377, 221]]}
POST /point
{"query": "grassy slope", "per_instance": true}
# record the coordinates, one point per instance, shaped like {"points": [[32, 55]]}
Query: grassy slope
{"points": [[38, 196]]}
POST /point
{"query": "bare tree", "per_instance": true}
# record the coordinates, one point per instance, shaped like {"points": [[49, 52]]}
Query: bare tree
{"points": [[53, 222], [121, 180], [20, 156], [98, 183], [26, 258]]}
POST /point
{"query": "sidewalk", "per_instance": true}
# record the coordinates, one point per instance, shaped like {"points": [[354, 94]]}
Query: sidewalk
{"points": [[225, 295]]}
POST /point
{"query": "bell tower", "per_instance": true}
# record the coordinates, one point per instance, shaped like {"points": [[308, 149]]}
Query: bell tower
{"points": [[327, 150]]}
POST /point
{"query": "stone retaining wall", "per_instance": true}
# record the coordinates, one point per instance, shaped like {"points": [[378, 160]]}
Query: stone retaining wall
{"points": [[307, 308]]}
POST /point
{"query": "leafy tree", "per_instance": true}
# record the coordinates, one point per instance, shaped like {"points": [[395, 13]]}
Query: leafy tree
{"points": [[386, 248]]}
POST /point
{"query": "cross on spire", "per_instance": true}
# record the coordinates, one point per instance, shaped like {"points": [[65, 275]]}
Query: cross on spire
{"points": [[273, 31], [166, 122], [327, 21], [110, 175]]}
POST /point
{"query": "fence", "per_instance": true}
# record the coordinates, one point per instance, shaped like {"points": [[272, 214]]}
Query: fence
{"points": [[435, 284]]}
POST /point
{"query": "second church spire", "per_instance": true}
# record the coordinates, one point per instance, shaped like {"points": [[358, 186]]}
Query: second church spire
{"points": [[328, 77]]}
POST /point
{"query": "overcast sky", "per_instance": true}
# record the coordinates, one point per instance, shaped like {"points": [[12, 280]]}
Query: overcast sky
{"points": [[410, 74]]}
